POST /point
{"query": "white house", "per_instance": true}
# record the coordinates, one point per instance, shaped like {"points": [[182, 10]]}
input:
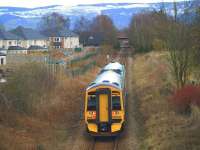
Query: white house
{"points": [[30, 37], [2, 59], [71, 42], [8, 39], [17, 50], [64, 40], [3, 50], [35, 48]]}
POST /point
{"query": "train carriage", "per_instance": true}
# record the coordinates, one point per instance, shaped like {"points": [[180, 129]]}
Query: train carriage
{"points": [[105, 101]]}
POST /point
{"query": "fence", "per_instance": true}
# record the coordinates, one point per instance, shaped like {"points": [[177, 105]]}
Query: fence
{"points": [[87, 56], [59, 66], [81, 70]]}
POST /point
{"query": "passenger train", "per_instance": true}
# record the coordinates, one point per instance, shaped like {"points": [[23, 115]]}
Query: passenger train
{"points": [[105, 101]]}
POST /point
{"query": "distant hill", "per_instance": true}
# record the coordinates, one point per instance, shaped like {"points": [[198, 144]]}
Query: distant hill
{"points": [[121, 13]]}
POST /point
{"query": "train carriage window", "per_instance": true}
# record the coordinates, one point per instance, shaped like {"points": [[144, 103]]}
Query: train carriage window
{"points": [[116, 103], [91, 102]]}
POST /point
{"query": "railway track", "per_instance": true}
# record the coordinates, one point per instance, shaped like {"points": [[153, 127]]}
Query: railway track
{"points": [[108, 143], [112, 143], [104, 143]]}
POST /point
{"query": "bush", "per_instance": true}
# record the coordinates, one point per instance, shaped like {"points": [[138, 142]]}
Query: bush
{"points": [[159, 44], [27, 86], [185, 97]]}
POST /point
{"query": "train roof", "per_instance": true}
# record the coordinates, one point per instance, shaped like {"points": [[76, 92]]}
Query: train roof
{"points": [[114, 66], [110, 78]]}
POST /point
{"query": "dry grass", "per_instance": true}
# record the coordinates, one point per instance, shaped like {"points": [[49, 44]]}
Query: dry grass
{"points": [[41, 110], [164, 128], [53, 115]]}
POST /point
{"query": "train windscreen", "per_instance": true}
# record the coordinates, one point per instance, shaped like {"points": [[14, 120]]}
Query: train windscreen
{"points": [[116, 103], [118, 71], [91, 102]]}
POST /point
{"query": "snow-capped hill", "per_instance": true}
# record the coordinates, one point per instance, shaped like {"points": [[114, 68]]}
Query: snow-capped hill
{"points": [[67, 10], [121, 13]]}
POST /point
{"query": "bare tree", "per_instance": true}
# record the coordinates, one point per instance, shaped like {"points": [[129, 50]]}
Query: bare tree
{"points": [[82, 28], [196, 39], [175, 10], [53, 23], [147, 27], [103, 27], [179, 44]]}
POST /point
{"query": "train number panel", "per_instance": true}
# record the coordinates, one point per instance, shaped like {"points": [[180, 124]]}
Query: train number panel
{"points": [[105, 102]]}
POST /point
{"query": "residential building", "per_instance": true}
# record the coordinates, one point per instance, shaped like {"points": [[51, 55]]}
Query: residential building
{"points": [[8, 39], [3, 50], [64, 40], [94, 40], [17, 50], [30, 37], [2, 59], [35, 48]]}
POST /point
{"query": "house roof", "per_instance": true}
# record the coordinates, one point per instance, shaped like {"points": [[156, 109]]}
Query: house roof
{"points": [[27, 33], [2, 49], [95, 40], [2, 54], [63, 34], [36, 47], [16, 48], [4, 35]]}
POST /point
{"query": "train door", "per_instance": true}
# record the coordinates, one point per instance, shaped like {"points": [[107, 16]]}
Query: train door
{"points": [[103, 108]]}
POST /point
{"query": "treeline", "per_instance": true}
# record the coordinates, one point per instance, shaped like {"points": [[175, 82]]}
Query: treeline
{"points": [[152, 30], [177, 34], [98, 31]]}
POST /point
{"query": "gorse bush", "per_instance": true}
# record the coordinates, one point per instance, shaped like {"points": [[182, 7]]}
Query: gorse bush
{"points": [[185, 97]]}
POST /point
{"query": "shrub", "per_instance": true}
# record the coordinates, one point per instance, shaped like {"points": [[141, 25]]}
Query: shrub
{"points": [[27, 86], [159, 44], [185, 97]]}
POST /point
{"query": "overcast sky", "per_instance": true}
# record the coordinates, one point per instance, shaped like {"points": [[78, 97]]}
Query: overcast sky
{"points": [[39, 3]]}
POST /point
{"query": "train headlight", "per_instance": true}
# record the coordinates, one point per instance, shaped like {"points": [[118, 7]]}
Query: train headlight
{"points": [[115, 113], [91, 115]]}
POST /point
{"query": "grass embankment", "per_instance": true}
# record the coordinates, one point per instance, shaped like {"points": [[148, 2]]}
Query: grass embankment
{"points": [[164, 128], [39, 110]]}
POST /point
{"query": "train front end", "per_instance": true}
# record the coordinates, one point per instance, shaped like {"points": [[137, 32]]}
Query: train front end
{"points": [[104, 111], [105, 104]]}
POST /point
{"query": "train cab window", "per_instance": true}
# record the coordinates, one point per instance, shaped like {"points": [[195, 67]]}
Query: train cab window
{"points": [[102, 71], [91, 102], [118, 71], [116, 103]]}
